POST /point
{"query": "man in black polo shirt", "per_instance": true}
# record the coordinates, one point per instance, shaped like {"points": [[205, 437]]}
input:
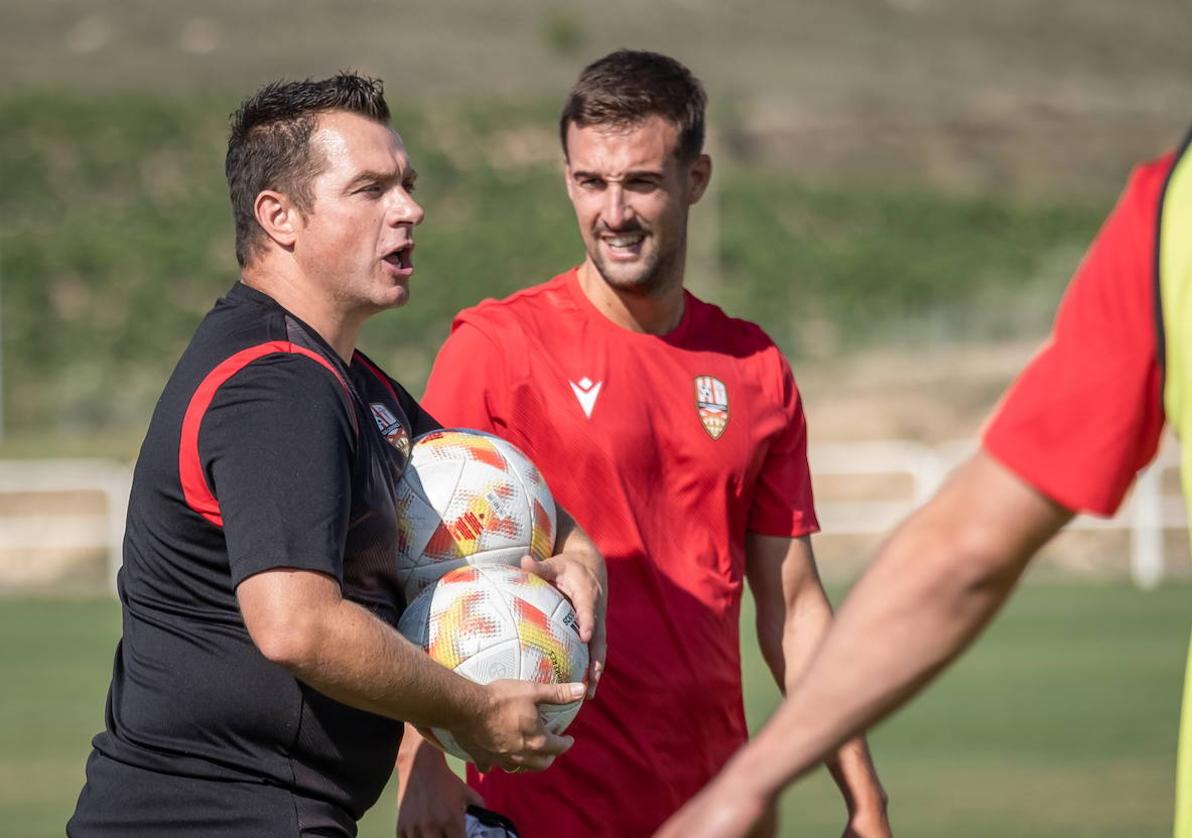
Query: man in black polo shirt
{"points": [[259, 684]]}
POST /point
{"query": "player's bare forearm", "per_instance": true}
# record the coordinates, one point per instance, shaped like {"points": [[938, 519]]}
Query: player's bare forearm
{"points": [[934, 585], [853, 771], [412, 745], [793, 617], [299, 620], [780, 572], [431, 799], [577, 569], [345, 652]]}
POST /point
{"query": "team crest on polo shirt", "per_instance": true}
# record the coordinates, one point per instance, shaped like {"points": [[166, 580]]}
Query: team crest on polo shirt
{"points": [[393, 430], [711, 399]]}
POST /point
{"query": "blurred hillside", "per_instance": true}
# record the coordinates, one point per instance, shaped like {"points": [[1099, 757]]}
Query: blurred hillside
{"points": [[1019, 93], [891, 176]]}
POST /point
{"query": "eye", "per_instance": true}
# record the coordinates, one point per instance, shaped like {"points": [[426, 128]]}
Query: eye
{"points": [[591, 183], [410, 187], [370, 189]]}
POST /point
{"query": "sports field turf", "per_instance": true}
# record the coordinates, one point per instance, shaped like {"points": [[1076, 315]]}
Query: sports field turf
{"points": [[1060, 723]]}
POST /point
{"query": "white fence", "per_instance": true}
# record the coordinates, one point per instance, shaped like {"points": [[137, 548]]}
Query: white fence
{"points": [[47, 532], [1148, 513]]}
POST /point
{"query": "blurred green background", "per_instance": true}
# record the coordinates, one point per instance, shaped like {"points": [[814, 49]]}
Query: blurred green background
{"points": [[889, 173], [901, 190], [116, 235]]}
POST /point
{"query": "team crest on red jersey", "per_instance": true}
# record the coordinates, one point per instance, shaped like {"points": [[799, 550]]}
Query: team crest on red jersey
{"points": [[394, 431], [711, 399]]}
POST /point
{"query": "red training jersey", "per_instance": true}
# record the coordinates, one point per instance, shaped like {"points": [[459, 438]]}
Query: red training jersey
{"points": [[666, 450], [1086, 414]]}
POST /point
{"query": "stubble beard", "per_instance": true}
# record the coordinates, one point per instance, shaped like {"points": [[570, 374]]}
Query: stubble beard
{"points": [[366, 292], [648, 279]]}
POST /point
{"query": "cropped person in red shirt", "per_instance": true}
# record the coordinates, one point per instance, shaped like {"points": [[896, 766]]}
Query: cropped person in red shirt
{"points": [[1070, 435], [675, 436]]}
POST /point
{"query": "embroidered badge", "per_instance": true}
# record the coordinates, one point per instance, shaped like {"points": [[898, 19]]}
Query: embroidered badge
{"points": [[711, 399], [394, 431]]}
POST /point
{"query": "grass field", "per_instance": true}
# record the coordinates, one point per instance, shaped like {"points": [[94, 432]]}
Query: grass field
{"points": [[1060, 723]]}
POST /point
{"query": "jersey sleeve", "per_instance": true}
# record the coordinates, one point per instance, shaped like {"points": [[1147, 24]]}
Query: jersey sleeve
{"points": [[1086, 413], [467, 387], [783, 503], [277, 444]]}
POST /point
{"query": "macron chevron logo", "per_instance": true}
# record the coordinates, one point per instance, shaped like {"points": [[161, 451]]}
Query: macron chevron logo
{"points": [[586, 392]]}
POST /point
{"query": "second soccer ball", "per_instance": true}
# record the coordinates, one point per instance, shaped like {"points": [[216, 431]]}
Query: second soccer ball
{"points": [[495, 621]]}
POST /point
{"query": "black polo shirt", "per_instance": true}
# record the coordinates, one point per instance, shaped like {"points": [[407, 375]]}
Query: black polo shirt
{"points": [[265, 451]]}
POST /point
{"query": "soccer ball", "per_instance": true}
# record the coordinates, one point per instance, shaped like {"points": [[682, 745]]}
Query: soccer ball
{"points": [[487, 622], [468, 497]]}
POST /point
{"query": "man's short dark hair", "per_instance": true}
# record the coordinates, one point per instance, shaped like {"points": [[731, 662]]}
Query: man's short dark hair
{"points": [[628, 86], [269, 143]]}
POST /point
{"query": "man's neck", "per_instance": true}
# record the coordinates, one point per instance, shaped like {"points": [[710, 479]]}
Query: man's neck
{"points": [[652, 314], [340, 330]]}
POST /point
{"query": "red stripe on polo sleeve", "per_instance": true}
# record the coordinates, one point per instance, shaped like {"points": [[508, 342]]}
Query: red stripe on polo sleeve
{"points": [[195, 490]]}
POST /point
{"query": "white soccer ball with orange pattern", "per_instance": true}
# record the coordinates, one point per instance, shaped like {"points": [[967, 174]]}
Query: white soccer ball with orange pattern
{"points": [[489, 622], [468, 497]]}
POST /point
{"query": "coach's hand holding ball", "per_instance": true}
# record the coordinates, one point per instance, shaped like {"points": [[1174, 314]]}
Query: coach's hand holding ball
{"points": [[495, 622], [514, 705], [471, 507]]}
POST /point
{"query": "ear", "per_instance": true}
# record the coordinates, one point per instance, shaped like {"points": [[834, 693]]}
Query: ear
{"points": [[699, 173], [567, 183], [278, 217]]}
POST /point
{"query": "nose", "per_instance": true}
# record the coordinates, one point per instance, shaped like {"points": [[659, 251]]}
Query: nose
{"points": [[405, 210], [616, 210]]}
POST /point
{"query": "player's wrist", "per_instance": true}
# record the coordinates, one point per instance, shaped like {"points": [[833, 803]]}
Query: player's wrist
{"points": [[460, 706], [870, 798], [870, 801], [870, 820]]}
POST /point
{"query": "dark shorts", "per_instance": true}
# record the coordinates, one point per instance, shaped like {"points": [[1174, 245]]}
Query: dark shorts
{"points": [[120, 800]]}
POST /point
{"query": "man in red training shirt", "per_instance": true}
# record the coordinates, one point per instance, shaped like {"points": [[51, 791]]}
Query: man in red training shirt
{"points": [[675, 436]]}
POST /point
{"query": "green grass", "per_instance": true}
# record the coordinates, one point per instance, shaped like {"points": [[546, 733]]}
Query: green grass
{"points": [[56, 659], [1061, 722]]}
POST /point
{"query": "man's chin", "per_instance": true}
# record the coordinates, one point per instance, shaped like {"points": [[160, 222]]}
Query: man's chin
{"points": [[396, 297], [630, 279]]}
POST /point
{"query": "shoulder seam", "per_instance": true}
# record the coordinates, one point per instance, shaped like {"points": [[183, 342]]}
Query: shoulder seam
{"points": [[195, 490]]}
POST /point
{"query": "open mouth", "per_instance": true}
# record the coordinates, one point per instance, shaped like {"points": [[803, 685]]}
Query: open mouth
{"points": [[624, 244], [401, 258]]}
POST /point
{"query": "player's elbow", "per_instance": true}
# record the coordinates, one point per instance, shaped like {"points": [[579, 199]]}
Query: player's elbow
{"points": [[286, 644], [286, 613], [286, 638], [978, 562], [984, 526]]}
